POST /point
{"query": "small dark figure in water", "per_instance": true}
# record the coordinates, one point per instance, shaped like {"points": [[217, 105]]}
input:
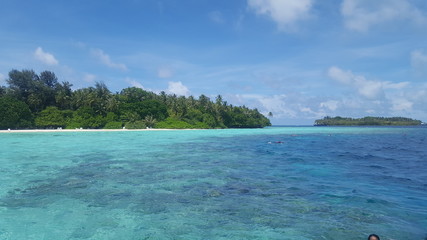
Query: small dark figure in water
{"points": [[373, 237]]}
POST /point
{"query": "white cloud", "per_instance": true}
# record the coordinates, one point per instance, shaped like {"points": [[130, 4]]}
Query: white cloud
{"points": [[217, 17], [90, 78], [106, 60], [284, 106], [178, 88], [360, 15], [164, 72], [340, 75], [401, 105], [279, 106], [399, 85], [301, 108], [134, 83], [368, 88], [419, 63], [381, 98], [312, 113], [45, 57], [331, 105], [420, 95], [292, 108], [284, 12]]}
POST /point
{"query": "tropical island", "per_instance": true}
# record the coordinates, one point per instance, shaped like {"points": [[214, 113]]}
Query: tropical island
{"points": [[40, 101], [367, 121]]}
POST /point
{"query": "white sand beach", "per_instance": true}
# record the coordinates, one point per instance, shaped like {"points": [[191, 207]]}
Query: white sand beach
{"points": [[85, 130]]}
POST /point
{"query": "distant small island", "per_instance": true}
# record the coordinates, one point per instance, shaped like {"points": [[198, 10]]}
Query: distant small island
{"points": [[40, 101], [367, 121]]}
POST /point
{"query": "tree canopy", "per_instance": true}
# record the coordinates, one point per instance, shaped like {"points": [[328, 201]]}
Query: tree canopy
{"points": [[14, 113], [40, 101], [367, 121]]}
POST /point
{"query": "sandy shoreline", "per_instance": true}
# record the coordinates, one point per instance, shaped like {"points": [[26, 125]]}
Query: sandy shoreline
{"points": [[86, 130]]}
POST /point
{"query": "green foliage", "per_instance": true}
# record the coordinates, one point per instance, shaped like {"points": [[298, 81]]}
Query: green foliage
{"points": [[201, 125], [136, 125], [243, 117], [37, 91], [139, 110], [22, 83], [52, 117], [111, 117], [85, 117], [113, 125], [150, 121], [173, 123], [63, 95], [209, 120], [14, 114], [3, 91], [134, 94], [194, 115], [98, 98], [56, 105], [367, 121], [197, 119]]}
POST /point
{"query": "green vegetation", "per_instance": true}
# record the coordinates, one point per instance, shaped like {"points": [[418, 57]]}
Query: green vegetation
{"points": [[367, 121], [14, 113], [40, 101]]}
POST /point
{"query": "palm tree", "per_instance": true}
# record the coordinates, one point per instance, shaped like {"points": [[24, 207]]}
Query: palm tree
{"points": [[150, 121]]}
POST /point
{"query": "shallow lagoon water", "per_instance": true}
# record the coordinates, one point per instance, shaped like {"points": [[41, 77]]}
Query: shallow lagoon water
{"points": [[272, 183]]}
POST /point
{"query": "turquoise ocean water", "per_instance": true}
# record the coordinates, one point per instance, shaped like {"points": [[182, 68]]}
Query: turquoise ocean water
{"points": [[272, 183]]}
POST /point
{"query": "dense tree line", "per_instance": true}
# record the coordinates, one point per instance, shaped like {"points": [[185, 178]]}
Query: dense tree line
{"points": [[40, 101], [367, 121]]}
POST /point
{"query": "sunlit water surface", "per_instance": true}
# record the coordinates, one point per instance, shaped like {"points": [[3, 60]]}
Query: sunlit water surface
{"points": [[273, 183]]}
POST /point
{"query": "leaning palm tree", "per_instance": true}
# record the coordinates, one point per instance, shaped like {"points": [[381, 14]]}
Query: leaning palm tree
{"points": [[150, 121]]}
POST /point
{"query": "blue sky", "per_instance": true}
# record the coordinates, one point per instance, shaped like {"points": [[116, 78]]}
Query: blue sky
{"points": [[299, 59]]}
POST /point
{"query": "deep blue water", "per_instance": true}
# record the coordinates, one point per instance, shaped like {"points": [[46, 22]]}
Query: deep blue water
{"points": [[273, 183]]}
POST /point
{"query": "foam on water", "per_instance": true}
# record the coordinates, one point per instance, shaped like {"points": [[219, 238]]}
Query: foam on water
{"points": [[273, 183]]}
